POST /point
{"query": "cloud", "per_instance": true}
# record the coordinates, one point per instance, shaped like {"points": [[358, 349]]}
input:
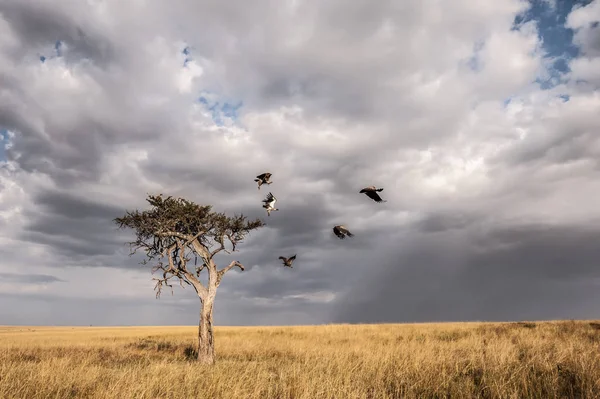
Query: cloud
{"points": [[483, 272], [484, 146], [28, 278]]}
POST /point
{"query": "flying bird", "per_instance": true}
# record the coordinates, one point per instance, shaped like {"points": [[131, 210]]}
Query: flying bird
{"points": [[270, 204], [263, 179], [371, 192], [288, 261], [341, 231]]}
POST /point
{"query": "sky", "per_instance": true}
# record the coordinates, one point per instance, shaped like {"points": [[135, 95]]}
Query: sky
{"points": [[480, 120]]}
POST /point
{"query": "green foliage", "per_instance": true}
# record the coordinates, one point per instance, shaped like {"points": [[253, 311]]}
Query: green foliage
{"points": [[171, 218]]}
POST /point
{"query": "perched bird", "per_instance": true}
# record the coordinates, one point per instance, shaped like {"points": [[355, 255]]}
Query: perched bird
{"points": [[288, 261], [270, 204], [341, 231], [371, 192], [263, 179]]}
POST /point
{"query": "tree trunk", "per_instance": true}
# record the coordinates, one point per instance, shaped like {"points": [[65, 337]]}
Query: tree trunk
{"points": [[206, 346]]}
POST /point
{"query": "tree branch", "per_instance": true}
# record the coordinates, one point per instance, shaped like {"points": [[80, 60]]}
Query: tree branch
{"points": [[221, 241], [224, 270], [182, 268], [172, 234], [193, 238], [178, 270], [202, 250]]}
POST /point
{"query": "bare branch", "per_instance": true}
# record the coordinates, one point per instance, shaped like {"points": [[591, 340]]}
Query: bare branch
{"points": [[202, 250], [172, 234], [231, 266], [161, 281], [224, 270], [194, 237], [181, 269], [175, 269], [200, 268], [220, 240]]}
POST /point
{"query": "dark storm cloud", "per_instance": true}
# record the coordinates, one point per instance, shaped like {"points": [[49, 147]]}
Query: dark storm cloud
{"points": [[41, 25], [281, 283], [29, 278], [79, 157], [66, 243], [76, 207], [73, 225], [22, 309], [180, 309], [514, 272], [298, 221], [88, 122], [441, 222]]}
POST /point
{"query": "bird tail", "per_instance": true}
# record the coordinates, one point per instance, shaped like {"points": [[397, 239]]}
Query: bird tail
{"points": [[350, 234]]}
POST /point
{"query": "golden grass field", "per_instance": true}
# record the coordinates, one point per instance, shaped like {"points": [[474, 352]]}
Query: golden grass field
{"points": [[449, 360]]}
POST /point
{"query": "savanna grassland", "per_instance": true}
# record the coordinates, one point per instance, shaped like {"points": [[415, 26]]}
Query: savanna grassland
{"points": [[461, 360]]}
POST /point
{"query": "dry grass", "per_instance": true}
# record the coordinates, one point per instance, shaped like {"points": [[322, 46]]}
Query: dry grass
{"points": [[462, 360]]}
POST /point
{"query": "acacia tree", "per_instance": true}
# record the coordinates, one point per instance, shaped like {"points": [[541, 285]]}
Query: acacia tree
{"points": [[178, 230]]}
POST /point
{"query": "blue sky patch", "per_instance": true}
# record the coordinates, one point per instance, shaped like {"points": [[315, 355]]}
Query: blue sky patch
{"points": [[58, 52], [3, 142], [219, 110], [186, 51], [58, 47], [473, 62], [557, 40]]}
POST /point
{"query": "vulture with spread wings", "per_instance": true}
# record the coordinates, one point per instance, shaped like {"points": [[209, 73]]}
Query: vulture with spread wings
{"points": [[263, 179], [269, 204], [341, 231], [371, 192], [288, 261]]}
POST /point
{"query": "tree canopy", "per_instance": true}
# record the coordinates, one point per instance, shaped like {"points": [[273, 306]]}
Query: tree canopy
{"points": [[177, 228]]}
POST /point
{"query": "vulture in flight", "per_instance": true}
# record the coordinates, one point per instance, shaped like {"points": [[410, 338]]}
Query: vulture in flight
{"points": [[371, 192], [263, 179], [341, 231], [288, 261], [270, 204]]}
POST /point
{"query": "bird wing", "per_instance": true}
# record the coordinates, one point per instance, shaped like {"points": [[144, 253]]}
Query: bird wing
{"points": [[261, 176], [272, 199], [344, 230], [282, 257], [269, 198], [292, 258], [374, 196]]}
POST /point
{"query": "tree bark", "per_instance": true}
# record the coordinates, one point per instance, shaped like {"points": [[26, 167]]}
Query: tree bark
{"points": [[206, 347]]}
